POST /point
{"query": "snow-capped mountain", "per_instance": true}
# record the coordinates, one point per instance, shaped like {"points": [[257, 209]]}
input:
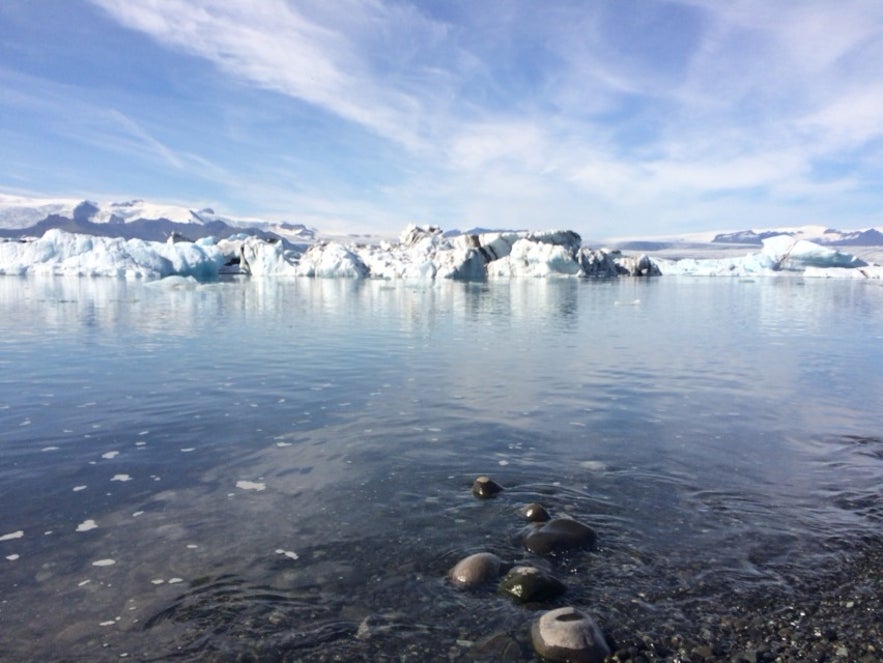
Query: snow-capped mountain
{"points": [[32, 217], [817, 234]]}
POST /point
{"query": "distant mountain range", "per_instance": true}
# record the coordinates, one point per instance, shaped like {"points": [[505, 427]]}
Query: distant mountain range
{"points": [[22, 217], [817, 234]]}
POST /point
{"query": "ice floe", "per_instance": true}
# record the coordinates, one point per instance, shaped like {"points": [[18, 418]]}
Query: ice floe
{"points": [[251, 485], [422, 253], [781, 254], [104, 562], [87, 525]]}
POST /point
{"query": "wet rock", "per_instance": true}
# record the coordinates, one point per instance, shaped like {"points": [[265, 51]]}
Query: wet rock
{"points": [[526, 584], [475, 569], [558, 535], [535, 513], [486, 487], [566, 634]]}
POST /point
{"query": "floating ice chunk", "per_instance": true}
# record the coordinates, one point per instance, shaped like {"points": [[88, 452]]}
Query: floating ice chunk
{"points": [[331, 260], [79, 488], [175, 581], [59, 252], [786, 253], [104, 562], [251, 485], [87, 525], [110, 454], [13, 557], [287, 553], [12, 535], [121, 477]]}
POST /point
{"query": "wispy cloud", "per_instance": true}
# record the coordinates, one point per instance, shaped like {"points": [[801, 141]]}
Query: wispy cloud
{"points": [[563, 111]]}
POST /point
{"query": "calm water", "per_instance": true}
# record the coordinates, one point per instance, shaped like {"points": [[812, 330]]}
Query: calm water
{"points": [[281, 469]]}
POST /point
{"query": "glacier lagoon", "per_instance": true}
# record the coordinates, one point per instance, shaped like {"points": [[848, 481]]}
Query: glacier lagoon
{"points": [[280, 469]]}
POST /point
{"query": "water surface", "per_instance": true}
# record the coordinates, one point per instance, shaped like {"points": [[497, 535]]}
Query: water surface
{"points": [[281, 469]]}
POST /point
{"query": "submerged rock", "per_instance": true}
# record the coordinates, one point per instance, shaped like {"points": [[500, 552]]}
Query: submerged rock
{"points": [[486, 487], [525, 584], [566, 634], [475, 570], [558, 535], [535, 513]]}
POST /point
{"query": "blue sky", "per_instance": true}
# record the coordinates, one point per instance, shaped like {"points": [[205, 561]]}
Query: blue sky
{"points": [[612, 118]]}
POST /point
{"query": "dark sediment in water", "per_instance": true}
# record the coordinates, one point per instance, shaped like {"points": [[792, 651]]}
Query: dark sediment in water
{"points": [[833, 616]]}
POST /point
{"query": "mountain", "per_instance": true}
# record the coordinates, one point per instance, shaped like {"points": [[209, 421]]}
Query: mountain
{"points": [[26, 217], [817, 234]]}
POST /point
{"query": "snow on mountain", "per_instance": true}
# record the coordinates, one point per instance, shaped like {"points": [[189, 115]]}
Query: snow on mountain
{"points": [[20, 216], [17, 212], [817, 234]]}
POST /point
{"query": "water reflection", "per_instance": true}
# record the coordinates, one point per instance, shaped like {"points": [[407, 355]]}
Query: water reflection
{"points": [[298, 453]]}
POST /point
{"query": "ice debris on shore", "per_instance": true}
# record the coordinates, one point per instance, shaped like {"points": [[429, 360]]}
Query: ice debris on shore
{"points": [[421, 253]]}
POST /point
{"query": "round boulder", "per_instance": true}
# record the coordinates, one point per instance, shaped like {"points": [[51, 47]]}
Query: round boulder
{"points": [[535, 513], [526, 584], [475, 569], [559, 535], [486, 487], [566, 634]]}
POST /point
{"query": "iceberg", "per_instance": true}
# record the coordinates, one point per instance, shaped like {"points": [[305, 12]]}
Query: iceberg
{"points": [[780, 254], [68, 254], [422, 253], [425, 253]]}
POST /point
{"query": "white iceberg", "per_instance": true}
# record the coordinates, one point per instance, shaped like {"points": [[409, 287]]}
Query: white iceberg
{"points": [[780, 254], [421, 254], [61, 253]]}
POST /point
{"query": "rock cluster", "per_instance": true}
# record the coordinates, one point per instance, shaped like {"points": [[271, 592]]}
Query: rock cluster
{"points": [[562, 634]]}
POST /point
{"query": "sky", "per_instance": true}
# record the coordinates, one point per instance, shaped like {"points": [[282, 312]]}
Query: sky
{"points": [[614, 118]]}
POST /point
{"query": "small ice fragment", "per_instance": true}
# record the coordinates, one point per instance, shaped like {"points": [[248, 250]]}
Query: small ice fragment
{"points": [[593, 465], [12, 557], [12, 535], [121, 477], [141, 444], [25, 422], [77, 489], [144, 432], [86, 525], [157, 581], [192, 546], [187, 450], [83, 582], [503, 462], [137, 513], [251, 485], [104, 562], [49, 449], [283, 444], [288, 553], [109, 623], [173, 581], [110, 454]]}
